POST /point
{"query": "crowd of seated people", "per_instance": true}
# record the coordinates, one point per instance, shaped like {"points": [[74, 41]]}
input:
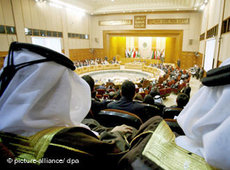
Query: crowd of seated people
{"points": [[197, 72], [173, 81], [46, 119], [129, 98], [96, 61]]}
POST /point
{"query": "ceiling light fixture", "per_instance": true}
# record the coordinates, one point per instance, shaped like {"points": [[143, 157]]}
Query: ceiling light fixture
{"points": [[40, 0], [55, 5], [63, 4]]}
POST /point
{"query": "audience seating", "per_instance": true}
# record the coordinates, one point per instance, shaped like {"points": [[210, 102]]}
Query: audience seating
{"points": [[170, 112], [168, 91], [115, 117], [160, 106], [174, 126], [101, 91], [150, 111], [165, 92], [142, 94], [175, 90], [162, 92], [111, 90], [105, 96], [99, 96]]}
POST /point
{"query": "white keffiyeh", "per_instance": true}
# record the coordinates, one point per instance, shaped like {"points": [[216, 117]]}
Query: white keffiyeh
{"points": [[206, 123], [41, 96]]}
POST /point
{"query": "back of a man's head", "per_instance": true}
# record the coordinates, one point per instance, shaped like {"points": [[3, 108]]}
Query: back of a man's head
{"points": [[128, 89], [90, 81], [182, 100], [154, 92]]}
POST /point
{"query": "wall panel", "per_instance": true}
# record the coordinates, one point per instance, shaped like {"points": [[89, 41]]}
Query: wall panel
{"points": [[189, 59], [226, 9], [7, 12], [26, 13], [80, 54]]}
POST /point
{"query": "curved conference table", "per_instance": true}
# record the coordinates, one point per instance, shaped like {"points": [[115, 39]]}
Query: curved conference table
{"points": [[135, 66], [140, 67]]}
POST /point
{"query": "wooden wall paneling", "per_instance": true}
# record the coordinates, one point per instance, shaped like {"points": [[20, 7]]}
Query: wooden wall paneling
{"points": [[4, 42], [200, 59], [3, 54], [80, 54], [219, 63], [189, 59], [98, 53]]}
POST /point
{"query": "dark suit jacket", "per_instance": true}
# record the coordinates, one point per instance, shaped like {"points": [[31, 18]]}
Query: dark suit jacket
{"points": [[129, 106], [96, 107]]}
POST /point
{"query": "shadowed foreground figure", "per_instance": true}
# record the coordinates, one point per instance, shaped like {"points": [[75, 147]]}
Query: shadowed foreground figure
{"points": [[42, 105]]}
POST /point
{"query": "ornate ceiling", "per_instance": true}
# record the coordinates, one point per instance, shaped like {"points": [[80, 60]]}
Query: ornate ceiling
{"points": [[126, 6]]}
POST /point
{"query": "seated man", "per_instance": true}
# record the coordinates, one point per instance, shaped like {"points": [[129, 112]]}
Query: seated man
{"points": [[181, 100], [42, 105], [172, 111], [156, 95], [126, 102], [96, 106], [205, 121], [149, 99], [187, 90]]}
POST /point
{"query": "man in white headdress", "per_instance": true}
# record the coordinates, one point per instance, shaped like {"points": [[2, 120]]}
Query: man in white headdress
{"points": [[206, 119], [42, 95], [44, 102]]}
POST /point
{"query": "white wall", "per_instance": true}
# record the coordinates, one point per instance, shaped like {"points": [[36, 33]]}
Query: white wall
{"points": [[191, 30], [214, 14], [29, 14]]}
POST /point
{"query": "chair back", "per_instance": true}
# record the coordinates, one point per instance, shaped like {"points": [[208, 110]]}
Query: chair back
{"points": [[174, 126], [151, 111], [101, 91], [115, 117], [170, 113]]}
